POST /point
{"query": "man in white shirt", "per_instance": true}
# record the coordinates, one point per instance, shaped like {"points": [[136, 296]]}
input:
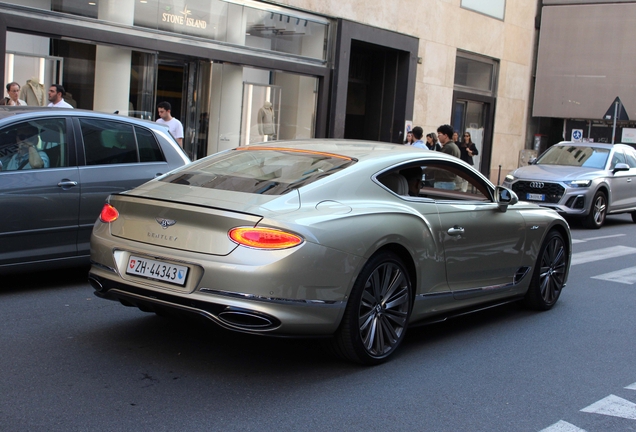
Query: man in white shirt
{"points": [[174, 125], [56, 97]]}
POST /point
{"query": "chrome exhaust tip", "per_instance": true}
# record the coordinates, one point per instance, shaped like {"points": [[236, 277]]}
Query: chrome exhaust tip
{"points": [[247, 319]]}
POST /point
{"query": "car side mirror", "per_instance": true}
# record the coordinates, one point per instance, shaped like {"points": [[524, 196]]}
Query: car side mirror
{"points": [[620, 167], [505, 197], [532, 161]]}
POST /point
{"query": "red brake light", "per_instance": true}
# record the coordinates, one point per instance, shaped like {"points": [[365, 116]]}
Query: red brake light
{"points": [[109, 214], [264, 238]]}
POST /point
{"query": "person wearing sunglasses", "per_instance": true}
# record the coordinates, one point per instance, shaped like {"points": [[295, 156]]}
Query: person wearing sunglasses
{"points": [[468, 149], [27, 155]]}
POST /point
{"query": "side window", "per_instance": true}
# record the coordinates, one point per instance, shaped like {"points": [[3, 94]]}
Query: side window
{"points": [[618, 157], [108, 142], [34, 144], [436, 180], [149, 150], [630, 155]]}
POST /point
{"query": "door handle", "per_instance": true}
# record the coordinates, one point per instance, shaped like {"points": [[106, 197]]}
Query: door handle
{"points": [[66, 184], [456, 230]]}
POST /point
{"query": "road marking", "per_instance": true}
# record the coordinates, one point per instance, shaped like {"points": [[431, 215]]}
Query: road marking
{"points": [[601, 254], [562, 426], [598, 238], [625, 276], [631, 387], [613, 406]]}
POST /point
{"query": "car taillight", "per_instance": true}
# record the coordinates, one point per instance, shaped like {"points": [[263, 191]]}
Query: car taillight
{"points": [[109, 214], [264, 238]]}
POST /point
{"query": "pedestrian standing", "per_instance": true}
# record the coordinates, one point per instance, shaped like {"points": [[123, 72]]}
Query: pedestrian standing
{"points": [[174, 125]]}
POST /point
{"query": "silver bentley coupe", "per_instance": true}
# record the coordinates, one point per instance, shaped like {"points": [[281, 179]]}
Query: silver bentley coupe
{"points": [[348, 240]]}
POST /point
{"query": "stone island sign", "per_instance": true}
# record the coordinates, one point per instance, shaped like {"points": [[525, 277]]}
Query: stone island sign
{"points": [[183, 18]]}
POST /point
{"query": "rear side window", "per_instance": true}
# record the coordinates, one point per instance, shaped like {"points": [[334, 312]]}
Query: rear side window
{"points": [[109, 142], [149, 150], [273, 171], [34, 144]]}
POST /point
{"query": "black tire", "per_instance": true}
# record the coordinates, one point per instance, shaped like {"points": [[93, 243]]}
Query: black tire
{"points": [[634, 217], [548, 277], [598, 211], [377, 313]]}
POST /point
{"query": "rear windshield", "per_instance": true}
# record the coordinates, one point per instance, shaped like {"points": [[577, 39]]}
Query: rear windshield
{"points": [[572, 155], [260, 171]]}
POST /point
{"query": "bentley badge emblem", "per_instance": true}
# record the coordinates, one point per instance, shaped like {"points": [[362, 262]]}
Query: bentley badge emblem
{"points": [[165, 223]]}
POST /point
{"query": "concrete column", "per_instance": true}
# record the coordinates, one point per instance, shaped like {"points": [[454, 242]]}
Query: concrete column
{"points": [[227, 89], [113, 65]]}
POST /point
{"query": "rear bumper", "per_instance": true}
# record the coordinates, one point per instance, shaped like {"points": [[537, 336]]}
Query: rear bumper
{"points": [[231, 310]]}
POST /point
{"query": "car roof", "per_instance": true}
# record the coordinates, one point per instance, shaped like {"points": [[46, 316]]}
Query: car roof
{"points": [[8, 113], [590, 144], [356, 149]]}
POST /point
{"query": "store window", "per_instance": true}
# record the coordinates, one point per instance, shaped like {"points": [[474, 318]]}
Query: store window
{"points": [[493, 8], [251, 105]]}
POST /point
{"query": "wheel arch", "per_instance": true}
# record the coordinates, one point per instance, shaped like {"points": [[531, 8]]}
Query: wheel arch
{"points": [[606, 190]]}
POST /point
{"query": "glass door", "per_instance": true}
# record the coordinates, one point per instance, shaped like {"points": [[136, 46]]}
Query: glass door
{"points": [[470, 116]]}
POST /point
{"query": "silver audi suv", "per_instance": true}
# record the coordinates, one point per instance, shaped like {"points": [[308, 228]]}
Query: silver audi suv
{"points": [[585, 180]]}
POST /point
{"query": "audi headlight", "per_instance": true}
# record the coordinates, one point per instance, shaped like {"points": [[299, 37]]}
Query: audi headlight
{"points": [[579, 183]]}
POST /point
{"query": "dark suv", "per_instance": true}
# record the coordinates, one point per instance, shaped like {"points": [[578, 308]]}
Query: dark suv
{"points": [[57, 166]]}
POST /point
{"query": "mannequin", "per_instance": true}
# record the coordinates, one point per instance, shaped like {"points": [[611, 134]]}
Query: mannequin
{"points": [[265, 118], [33, 93]]}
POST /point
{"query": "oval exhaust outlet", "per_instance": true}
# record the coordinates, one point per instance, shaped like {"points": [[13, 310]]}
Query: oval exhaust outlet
{"points": [[247, 320]]}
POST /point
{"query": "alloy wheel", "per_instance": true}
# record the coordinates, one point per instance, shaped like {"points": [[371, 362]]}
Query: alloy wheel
{"points": [[552, 270], [384, 309]]}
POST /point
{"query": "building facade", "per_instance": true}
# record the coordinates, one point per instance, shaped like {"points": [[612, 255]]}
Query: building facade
{"points": [[243, 71], [585, 85]]}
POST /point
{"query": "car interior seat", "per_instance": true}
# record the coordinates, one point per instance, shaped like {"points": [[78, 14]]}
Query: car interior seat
{"points": [[396, 182], [53, 145]]}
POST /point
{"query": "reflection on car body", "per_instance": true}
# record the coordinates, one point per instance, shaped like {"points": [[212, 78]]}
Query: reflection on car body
{"points": [[325, 238], [57, 168], [583, 180]]}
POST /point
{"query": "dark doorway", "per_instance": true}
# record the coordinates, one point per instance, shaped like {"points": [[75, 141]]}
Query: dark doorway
{"points": [[170, 84], [371, 92]]}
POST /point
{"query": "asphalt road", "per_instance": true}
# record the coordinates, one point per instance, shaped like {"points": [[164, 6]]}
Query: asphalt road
{"points": [[72, 362]]}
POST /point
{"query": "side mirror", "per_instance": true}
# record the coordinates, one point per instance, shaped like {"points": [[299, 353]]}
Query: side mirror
{"points": [[532, 161], [620, 167], [505, 197]]}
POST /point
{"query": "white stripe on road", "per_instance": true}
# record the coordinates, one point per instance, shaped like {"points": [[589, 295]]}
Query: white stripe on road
{"points": [[601, 254], [597, 238], [631, 387], [562, 426], [626, 276], [613, 406]]}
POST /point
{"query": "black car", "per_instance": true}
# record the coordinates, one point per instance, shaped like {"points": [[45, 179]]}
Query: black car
{"points": [[57, 166]]}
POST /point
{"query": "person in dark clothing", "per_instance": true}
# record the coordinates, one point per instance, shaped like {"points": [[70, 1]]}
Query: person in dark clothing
{"points": [[432, 143], [467, 148]]}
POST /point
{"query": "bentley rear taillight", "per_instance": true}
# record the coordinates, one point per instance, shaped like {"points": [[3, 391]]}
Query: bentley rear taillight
{"points": [[109, 214], [264, 238]]}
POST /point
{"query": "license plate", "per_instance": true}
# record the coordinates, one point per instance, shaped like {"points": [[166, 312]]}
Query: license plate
{"points": [[535, 197], [171, 273]]}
